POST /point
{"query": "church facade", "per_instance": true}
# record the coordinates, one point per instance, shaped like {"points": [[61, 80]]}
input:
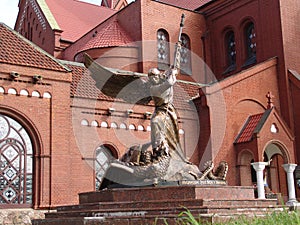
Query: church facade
{"points": [[236, 95]]}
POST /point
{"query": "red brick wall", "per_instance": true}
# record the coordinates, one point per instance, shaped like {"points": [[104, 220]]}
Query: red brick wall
{"points": [[295, 96], [233, 15], [231, 101], [32, 24], [160, 16], [290, 31], [48, 121], [141, 20], [266, 16], [289, 15]]}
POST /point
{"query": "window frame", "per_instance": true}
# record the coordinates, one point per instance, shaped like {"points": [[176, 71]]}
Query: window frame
{"points": [[229, 47], [250, 55], [18, 143], [162, 37], [185, 53]]}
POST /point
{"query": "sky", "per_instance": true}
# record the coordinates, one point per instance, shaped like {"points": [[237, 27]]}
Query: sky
{"points": [[9, 10]]}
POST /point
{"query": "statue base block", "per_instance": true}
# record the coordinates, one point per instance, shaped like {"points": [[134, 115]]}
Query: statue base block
{"points": [[160, 204], [169, 192]]}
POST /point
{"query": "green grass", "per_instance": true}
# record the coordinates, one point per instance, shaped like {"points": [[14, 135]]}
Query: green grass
{"points": [[276, 218]]}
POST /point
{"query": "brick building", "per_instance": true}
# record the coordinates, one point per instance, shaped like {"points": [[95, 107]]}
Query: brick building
{"points": [[236, 96]]}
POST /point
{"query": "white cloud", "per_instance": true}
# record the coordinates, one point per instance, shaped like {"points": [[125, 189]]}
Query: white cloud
{"points": [[96, 2], [9, 11]]}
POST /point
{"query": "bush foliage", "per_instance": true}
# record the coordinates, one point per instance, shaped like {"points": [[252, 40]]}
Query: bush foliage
{"points": [[276, 218]]}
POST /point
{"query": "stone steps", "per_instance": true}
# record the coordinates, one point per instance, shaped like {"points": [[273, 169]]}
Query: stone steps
{"points": [[170, 219], [161, 211], [168, 203], [158, 205]]}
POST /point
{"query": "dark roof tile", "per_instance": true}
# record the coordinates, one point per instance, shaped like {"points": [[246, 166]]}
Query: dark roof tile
{"points": [[247, 131], [186, 4], [15, 49], [110, 36]]}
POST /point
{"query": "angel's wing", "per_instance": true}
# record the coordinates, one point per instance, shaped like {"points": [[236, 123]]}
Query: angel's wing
{"points": [[130, 86]]}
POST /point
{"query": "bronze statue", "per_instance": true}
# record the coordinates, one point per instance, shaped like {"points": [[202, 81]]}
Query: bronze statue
{"points": [[162, 160]]}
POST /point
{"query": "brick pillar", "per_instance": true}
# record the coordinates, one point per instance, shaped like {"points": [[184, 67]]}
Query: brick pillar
{"points": [[289, 169], [259, 168]]}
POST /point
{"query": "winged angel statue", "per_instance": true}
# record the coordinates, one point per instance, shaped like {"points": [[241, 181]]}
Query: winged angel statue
{"points": [[162, 160]]}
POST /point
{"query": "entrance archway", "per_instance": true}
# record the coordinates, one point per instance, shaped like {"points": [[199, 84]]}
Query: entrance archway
{"points": [[275, 175]]}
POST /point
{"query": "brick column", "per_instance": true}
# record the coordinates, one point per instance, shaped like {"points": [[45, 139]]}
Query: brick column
{"points": [[259, 168], [289, 169]]}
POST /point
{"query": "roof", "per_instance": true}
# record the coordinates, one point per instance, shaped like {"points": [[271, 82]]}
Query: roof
{"points": [[17, 50], [247, 131], [111, 35], [186, 4], [75, 18], [253, 125], [82, 84]]}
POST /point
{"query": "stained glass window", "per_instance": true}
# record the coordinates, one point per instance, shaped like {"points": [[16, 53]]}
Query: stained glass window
{"points": [[250, 36], [230, 51], [103, 157], [163, 50], [185, 55], [16, 163]]}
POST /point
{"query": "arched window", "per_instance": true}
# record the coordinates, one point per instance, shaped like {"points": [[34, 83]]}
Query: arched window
{"points": [[12, 91], [16, 163], [103, 157], [84, 122], [250, 42], [114, 125], [104, 124], [24, 92], [230, 52], [163, 50], [131, 127], [94, 123], [123, 126], [185, 55], [47, 95], [148, 128], [35, 94], [140, 128]]}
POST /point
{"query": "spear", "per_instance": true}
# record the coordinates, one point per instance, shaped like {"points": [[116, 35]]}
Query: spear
{"points": [[176, 63]]}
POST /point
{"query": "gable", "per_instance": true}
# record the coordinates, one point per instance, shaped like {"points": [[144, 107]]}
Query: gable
{"points": [[267, 122]]}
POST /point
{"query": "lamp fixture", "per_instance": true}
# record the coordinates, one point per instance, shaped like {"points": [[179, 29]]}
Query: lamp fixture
{"points": [[37, 78], [129, 111], [111, 110], [14, 75], [147, 114]]}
